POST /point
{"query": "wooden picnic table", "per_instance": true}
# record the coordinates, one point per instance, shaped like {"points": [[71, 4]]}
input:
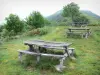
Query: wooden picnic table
{"points": [[86, 32], [68, 52]]}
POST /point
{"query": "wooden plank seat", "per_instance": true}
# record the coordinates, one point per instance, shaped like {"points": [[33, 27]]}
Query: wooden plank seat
{"points": [[79, 28], [70, 51], [82, 34]]}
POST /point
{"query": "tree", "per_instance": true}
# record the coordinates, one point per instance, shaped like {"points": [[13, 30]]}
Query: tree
{"points": [[13, 23], [35, 19], [71, 10], [80, 20]]}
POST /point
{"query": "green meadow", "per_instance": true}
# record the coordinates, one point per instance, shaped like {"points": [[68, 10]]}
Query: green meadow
{"points": [[87, 55]]}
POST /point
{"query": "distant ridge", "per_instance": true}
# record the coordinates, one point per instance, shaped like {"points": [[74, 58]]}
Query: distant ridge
{"points": [[89, 13], [58, 15]]}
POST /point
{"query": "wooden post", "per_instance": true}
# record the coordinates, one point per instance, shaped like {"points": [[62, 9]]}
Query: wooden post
{"points": [[38, 58], [20, 56], [69, 30], [61, 62], [72, 49], [88, 32], [72, 54], [82, 35], [66, 50], [60, 67]]}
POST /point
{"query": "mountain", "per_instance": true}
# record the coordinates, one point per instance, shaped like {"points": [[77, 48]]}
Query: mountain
{"points": [[58, 15], [89, 13]]}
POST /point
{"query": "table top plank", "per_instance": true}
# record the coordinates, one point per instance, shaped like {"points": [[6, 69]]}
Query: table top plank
{"points": [[46, 43]]}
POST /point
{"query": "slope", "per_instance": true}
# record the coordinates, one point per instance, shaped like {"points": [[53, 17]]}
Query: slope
{"points": [[58, 16], [87, 51]]}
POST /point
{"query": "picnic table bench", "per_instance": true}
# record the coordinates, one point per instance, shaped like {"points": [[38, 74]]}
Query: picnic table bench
{"points": [[84, 32], [36, 45]]}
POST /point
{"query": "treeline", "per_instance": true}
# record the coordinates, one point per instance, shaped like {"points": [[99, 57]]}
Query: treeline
{"points": [[15, 26]]}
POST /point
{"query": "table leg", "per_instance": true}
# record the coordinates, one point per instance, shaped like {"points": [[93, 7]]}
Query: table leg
{"points": [[86, 35], [38, 58], [61, 62], [66, 50], [60, 67], [31, 48], [88, 32], [72, 55], [20, 56]]}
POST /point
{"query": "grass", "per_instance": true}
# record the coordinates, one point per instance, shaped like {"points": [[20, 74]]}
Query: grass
{"points": [[87, 50]]}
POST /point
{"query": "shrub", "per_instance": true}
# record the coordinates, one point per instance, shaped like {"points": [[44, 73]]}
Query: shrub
{"points": [[43, 31], [6, 36], [33, 32], [4, 33], [39, 31]]}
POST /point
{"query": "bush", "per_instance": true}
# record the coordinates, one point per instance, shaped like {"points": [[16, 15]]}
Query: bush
{"points": [[33, 32], [4, 33], [43, 31], [39, 31], [6, 36]]}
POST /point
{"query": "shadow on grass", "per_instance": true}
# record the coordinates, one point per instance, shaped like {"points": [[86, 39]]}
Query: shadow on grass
{"points": [[75, 36]]}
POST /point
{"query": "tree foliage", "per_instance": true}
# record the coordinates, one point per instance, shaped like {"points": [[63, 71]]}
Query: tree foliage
{"points": [[35, 19], [14, 24], [71, 10], [1, 28], [81, 19]]}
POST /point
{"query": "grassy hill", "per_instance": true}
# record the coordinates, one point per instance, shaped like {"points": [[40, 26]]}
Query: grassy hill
{"points": [[89, 13], [87, 61], [58, 16]]}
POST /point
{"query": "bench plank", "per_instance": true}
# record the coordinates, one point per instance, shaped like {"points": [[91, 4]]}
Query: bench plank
{"points": [[79, 28], [43, 54]]}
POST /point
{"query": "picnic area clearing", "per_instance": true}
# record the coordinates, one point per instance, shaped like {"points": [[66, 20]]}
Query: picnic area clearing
{"points": [[87, 61]]}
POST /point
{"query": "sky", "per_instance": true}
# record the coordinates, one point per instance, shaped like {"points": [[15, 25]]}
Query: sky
{"points": [[23, 8]]}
